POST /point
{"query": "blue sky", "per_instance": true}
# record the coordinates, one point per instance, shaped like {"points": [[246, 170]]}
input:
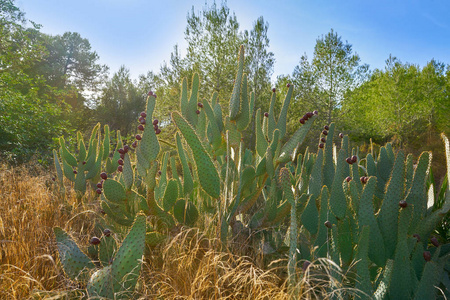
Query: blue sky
{"points": [[141, 34]]}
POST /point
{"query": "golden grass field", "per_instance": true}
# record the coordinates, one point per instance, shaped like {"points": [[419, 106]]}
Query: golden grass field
{"points": [[186, 266]]}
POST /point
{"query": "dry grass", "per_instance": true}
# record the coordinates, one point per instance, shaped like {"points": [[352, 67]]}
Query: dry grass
{"points": [[30, 209], [189, 266]]}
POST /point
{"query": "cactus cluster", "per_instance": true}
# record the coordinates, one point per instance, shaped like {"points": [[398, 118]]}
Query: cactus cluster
{"points": [[120, 268], [382, 220]]}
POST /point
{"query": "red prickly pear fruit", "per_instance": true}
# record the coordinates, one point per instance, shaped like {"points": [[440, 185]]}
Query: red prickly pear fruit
{"points": [[121, 151], [349, 161], [122, 156], [288, 85], [141, 127], [200, 105], [341, 135], [138, 137], [120, 168], [266, 114], [310, 114], [107, 232], [306, 265], [94, 240], [120, 162], [53, 179], [417, 237], [84, 162], [155, 127], [143, 114], [348, 179], [274, 90], [159, 172], [323, 140], [134, 144], [302, 121], [150, 93], [354, 158], [155, 122], [434, 241], [325, 132], [321, 146], [197, 112], [326, 127], [403, 204], [103, 175], [305, 117], [427, 255], [363, 179], [98, 191], [126, 148], [142, 121], [102, 212], [158, 131], [154, 95], [75, 172], [99, 185], [315, 112], [328, 224]]}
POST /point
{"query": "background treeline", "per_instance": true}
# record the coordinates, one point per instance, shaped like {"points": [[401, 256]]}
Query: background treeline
{"points": [[54, 85]]}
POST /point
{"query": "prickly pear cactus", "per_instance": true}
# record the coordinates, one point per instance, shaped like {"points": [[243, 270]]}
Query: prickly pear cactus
{"points": [[118, 277], [373, 209]]}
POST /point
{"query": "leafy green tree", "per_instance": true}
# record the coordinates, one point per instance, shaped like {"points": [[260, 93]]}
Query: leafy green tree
{"points": [[213, 39], [334, 70], [403, 102], [259, 61], [120, 103], [29, 121]]}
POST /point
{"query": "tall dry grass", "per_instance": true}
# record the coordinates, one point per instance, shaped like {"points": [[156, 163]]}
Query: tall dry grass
{"points": [[188, 266]]}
